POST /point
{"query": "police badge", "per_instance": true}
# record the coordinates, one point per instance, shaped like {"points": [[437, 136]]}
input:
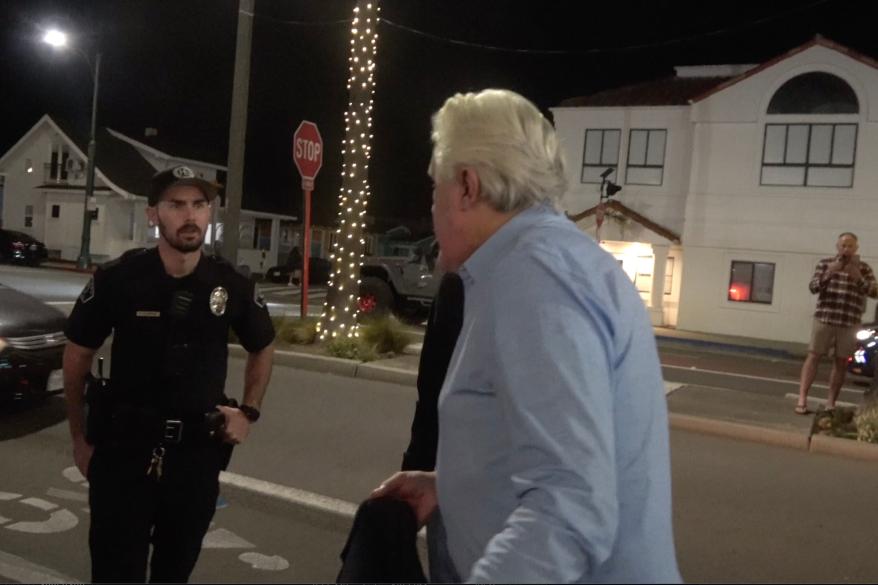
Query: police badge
{"points": [[218, 299]]}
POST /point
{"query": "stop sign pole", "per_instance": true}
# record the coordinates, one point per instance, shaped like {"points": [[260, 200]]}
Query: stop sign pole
{"points": [[308, 156]]}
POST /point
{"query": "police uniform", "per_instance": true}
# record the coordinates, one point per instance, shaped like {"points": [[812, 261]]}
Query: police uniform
{"points": [[169, 359]]}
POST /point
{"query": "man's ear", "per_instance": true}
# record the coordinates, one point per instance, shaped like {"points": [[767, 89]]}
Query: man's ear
{"points": [[152, 216], [472, 187]]}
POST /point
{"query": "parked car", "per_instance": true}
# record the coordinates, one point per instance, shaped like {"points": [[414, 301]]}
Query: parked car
{"points": [[318, 272], [404, 286], [863, 360], [31, 347], [20, 248]]}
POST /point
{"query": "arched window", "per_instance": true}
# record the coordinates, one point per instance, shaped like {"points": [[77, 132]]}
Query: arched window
{"points": [[814, 93], [811, 152]]}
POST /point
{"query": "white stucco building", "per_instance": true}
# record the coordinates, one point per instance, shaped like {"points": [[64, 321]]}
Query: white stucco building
{"points": [[42, 191], [735, 181]]}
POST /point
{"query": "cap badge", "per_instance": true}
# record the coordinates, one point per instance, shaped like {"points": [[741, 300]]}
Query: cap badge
{"points": [[183, 173], [218, 299]]}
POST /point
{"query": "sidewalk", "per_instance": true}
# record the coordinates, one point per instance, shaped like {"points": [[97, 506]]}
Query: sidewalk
{"points": [[718, 411]]}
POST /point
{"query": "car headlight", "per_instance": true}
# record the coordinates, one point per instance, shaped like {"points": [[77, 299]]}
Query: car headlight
{"points": [[864, 334]]}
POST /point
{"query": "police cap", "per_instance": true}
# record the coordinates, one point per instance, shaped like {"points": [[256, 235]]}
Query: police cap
{"points": [[179, 175]]}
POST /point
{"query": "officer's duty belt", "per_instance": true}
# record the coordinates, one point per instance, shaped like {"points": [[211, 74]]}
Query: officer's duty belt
{"points": [[144, 426]]}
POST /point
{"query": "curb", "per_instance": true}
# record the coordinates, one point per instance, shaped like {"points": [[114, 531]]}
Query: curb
{"points": [[731, 347], [827, 445], [386, 374], [743, 431]]}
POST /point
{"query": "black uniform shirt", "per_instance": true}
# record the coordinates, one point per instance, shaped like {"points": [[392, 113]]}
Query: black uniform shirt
{"points": [[170, 335]]}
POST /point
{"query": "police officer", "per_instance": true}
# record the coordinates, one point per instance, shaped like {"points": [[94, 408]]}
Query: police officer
{"points": [[151, 462]]}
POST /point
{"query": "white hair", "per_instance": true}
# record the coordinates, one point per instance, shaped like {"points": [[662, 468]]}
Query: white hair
{"points": [[507, 140]]}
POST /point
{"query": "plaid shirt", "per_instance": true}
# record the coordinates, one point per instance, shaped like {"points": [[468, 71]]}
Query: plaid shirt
{"points": [[842, 300]]}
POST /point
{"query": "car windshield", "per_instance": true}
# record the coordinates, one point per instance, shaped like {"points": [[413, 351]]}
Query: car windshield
{"points": [[19, 236]]}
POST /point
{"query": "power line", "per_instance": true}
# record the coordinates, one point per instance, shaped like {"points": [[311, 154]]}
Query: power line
{"points": [[594, 51]]}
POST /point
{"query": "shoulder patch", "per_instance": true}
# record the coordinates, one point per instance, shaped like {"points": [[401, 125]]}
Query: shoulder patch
{"points": [[258, 297], [88, 293]]}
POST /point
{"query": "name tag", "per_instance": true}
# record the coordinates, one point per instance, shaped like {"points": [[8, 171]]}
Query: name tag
{"points": [[149, 313]]}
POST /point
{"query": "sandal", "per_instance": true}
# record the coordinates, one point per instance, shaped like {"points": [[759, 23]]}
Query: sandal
{"points": [[801, 409]]}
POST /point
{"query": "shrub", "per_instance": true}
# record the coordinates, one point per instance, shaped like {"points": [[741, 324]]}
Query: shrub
{"points": [[867, 424], [297, 331], [344, 347], [385, 335]]}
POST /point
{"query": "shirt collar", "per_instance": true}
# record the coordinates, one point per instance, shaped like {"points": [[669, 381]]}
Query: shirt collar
{"points": [[486, 256]]}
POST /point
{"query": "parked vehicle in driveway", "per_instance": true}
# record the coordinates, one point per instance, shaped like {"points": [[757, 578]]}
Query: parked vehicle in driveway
{"points": [[863, 360], [31, 347], [20, 248], [402, 285], [318, 272]]}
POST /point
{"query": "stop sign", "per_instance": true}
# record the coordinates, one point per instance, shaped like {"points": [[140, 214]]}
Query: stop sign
{"points": [[308, 152]]}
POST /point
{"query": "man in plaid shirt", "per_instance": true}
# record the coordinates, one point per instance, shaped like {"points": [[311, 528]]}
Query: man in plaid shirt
{"points": [[842, 284]]}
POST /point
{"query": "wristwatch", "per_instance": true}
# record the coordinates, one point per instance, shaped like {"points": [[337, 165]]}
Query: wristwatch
{"points": [[252, 413]]}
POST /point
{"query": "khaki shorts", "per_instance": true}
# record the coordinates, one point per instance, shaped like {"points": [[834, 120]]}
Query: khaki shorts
{"points": [[841, 340]]}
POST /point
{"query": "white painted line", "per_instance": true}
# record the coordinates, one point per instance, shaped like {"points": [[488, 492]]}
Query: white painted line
{"points": [[57, 303], [222, 538], [67, 495], [821, 401], [671, 386], [761, 378], [261, 562], [15, 568], [72, 474], [293, 495]]}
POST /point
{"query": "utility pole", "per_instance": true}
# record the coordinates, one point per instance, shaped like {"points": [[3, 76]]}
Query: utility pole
{"points": [[238, 130]]}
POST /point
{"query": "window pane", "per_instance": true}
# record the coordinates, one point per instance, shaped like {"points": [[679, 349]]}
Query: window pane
{"points": [[763, 282], [643, 176], [669, 276], [610, 154], [830, 177], [783, 175], [593, 174], [775, 138], [797, 143], [656, 152], [821, 143], [637, 148], [593, 147], [843, 147], [741, 281]]}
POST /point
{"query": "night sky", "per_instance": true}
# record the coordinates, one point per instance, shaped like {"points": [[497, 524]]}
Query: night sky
{"points": [[169, 65]]}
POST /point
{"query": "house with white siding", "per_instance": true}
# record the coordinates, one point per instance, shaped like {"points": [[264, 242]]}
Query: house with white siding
{"points": [[42, 193], [735, 179]]}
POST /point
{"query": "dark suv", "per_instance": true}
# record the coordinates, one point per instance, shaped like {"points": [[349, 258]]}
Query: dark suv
{"points": [[20, 248], [31, 346]]}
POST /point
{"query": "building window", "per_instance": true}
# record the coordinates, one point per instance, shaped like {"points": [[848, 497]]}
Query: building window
{"points": [[813, 155], [262, 234], [669, 276], [646, 157], [28, 216], [56, 211], [600, 152], [814, 93], [751, 282]]}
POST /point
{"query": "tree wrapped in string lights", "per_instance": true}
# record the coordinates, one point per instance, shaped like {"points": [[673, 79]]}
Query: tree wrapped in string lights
{"points": [[339, 318]]}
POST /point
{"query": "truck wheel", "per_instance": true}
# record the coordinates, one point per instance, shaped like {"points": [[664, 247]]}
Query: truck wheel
{"points": [[376, 297]]}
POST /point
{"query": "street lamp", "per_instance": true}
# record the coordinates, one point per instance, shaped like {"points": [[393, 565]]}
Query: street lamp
{"points": [[58, 40]]}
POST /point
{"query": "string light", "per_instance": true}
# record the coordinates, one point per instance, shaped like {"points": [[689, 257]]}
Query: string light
{"points": [[340, 311]]}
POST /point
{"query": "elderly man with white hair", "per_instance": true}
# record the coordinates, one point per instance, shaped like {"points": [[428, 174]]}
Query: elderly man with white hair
{"points": [[553, 462]]}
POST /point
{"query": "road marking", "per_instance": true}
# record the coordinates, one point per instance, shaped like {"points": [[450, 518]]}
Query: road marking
{"points": [[293, 495], [821, 401], [761, 378], [222, 538], [72, 474], [15, 568], [262, 562], [671, 386], [67, 495]]}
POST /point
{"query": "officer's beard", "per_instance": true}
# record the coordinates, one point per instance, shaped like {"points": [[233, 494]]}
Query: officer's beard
{"points": [[179, 242]]}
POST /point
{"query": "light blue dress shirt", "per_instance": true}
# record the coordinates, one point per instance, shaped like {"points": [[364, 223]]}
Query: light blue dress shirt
{"points": [[553, 462]]}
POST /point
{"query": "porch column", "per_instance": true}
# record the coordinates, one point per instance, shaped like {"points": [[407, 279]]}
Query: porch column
{"points": [[657, 295]]}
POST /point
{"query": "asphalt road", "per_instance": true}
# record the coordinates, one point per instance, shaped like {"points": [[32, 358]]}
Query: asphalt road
{"points": [[744, 512]]}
